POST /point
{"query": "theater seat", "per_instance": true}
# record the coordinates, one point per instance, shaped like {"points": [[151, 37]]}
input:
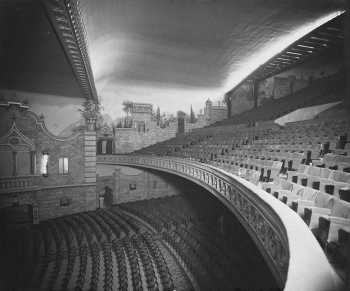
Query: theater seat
{"points": [[307, 199], [323, 204], [339, 218], [295, 193], [339, 251], [277, 185]]}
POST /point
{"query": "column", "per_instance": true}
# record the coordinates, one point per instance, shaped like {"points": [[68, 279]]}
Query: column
{"points": [[90, 156]]}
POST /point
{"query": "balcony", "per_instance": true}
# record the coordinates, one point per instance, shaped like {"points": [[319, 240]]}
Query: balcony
{"points": [[287, 245], [15, 183]]}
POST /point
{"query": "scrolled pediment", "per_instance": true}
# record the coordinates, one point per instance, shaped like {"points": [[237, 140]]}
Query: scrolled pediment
{"points": [[15, 140]]}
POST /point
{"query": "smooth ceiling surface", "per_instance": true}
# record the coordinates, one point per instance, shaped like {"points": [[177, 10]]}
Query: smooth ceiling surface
{"points": [[174, 53]]}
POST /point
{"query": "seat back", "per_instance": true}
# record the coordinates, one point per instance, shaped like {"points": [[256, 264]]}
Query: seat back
{"points": [[309, 194], [325, 172], [314, 171], [302, 168], [286, 185], [341, 208], [331, 159], [339, 176], [276, 165], [298, 189], [324, 200]]}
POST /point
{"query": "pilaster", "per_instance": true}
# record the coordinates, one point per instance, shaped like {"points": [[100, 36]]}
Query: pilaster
{"points": [[90, 156]]}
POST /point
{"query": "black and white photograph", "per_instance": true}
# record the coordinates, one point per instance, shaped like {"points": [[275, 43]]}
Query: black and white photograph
{"points": [[174, 145]]}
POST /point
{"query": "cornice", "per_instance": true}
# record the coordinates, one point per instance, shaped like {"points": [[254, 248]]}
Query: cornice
{"points": [[67, 22]]}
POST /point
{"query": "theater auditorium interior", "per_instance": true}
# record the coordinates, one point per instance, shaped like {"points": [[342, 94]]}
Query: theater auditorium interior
{"points": [[101, 190]]}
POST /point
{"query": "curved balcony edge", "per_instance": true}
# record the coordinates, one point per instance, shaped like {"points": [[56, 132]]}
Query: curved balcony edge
{"points": [[289, 248]]}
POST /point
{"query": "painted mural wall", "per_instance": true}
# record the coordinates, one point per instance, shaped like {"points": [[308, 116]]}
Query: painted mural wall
{"points": [[52, 107], [285, 83], [39, 169]]}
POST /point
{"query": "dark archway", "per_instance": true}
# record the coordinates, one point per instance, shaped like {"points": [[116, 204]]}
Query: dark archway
{"points": [[108, 197]]}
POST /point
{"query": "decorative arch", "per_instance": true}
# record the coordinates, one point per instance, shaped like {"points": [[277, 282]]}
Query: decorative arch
{"points": [[17, 153], [16, 140]]}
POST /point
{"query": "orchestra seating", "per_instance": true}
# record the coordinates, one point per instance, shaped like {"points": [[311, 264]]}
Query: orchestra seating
{"points": [[170, 243], [97, 250], [304, 164]]}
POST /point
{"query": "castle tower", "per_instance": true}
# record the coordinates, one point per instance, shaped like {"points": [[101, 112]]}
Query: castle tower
{"points": [[208, 110]]}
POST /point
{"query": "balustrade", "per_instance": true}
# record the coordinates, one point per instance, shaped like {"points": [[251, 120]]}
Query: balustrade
{"points": [[9, 183]]}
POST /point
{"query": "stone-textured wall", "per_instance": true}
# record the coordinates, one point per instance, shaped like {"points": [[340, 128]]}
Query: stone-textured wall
{"points": [[214, 112], [217, 113], [131, 184], [192, 126], [129, 139], [49, 200]]}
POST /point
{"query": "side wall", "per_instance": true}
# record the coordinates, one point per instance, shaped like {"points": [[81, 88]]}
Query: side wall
{"points": [[132, 184], [52, 107], [55, 201], [24, 142], [129, 139], [283, 84]]}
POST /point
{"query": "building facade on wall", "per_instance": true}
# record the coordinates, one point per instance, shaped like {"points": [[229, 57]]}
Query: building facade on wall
{"points": [[105, 140], [214, 112], [144, 130], [286, 83], [45, 175], [141, 116]]}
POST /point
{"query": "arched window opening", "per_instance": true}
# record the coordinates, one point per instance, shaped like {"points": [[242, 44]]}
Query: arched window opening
{"points": [[44, 164]]}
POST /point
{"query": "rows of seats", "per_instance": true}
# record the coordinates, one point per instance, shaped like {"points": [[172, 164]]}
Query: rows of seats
{"points": [[134, 246], [268, 150], [76, 253], [134, 265], [195, 238], [146, 262], [305, 164], [327, 216], [122, 269], [333, 182], [160, 263]]}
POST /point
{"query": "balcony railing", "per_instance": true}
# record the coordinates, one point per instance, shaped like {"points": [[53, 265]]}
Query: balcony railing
{"points": [[10, 183], [287, 245]]}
